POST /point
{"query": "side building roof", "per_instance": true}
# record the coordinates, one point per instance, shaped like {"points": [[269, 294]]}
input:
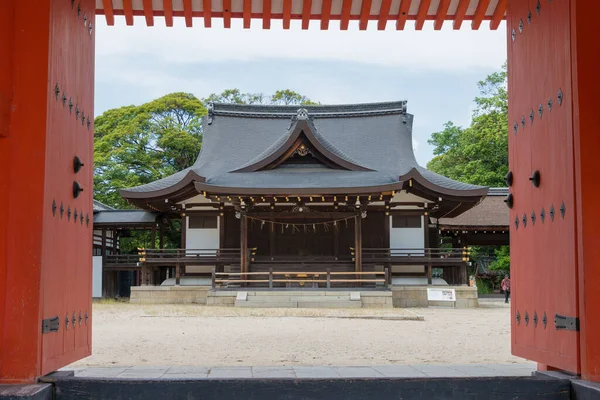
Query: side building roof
{"points": [[491, 212]]}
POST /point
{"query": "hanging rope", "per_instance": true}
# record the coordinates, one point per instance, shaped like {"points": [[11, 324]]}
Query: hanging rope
{"points": [[306, 227]]}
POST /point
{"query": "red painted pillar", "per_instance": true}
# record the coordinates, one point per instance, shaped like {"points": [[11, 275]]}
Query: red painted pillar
{"points": [[554, 131], [46, 53], [586, 122]]}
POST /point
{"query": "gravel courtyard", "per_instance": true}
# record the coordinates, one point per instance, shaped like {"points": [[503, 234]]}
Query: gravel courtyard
{"points": [[172, 335]]}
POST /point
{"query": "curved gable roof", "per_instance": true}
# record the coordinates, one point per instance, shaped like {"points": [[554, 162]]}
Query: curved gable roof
{"points": [[301, 130]]}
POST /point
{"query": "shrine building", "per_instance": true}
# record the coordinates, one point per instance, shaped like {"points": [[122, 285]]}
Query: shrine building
{"points": [[306, 189]]}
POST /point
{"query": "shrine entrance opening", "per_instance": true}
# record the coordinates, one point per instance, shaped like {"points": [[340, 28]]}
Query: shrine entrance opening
{"points": [[46, 125]]}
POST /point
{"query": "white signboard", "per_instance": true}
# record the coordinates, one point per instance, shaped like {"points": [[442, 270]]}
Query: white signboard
{"points": [[441, 294]]}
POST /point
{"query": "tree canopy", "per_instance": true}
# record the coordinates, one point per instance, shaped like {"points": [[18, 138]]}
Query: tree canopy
{"points": [[135, 145], [477, 154], [282, 97]]}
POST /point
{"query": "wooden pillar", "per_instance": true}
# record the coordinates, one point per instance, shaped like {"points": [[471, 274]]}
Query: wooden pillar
{"points": [[452, 276], [426, 249], [336, 240], [161, 236], [243, 245], [177, 274], [358, 243], [272, 240], [153, 237], [103, 249], [222, 229], [105, 277], [463, 276], [386, 243], [183, 230]]}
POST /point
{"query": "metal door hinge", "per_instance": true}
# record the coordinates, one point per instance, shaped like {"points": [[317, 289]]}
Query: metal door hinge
{"points": [[50, 324], [562, 322]]}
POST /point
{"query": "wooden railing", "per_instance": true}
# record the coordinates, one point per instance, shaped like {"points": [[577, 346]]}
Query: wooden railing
{"points": [[438, 257], [121, 260], [301, 279], [170, 257]]}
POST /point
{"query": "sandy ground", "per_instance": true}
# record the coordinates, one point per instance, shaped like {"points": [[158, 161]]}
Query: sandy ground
{"points": [[170, 335]]}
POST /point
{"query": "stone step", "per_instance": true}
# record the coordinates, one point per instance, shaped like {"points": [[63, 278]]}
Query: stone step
{"points": [[297, 293], [330, 304], [299, 304], [298, 298], [267, 304]]}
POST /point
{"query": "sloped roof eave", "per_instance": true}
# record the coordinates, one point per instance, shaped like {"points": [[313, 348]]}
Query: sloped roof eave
{"points": [[240, 190], [187, 180], [477, 192]]}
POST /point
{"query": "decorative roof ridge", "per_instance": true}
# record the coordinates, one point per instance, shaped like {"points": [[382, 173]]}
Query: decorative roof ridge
{"points": [[320, 111]]}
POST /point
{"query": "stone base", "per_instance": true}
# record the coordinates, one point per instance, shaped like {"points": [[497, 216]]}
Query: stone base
{"points": [[580, 390], [43, 391], [237, 384], [399, 296], [416, 296], [300, 299], [169, 294]]}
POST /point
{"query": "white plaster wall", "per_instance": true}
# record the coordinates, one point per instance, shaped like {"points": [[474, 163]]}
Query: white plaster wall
{"points": [[201, 238], [407, 238], [96, 277]]}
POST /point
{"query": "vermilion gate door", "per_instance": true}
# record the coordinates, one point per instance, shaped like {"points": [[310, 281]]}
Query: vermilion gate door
{"points": [[67, 232], [46, 102], [543, 217]]}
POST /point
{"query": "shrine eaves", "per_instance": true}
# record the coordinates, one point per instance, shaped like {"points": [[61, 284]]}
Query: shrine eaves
{"points": [[398, 12]]}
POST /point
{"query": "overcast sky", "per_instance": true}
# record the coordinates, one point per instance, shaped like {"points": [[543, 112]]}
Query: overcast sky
{"points": [[436, 71]]}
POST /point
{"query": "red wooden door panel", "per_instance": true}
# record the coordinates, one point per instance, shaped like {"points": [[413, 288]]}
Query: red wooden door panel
{"points": [[67, 225], [543, 224]]}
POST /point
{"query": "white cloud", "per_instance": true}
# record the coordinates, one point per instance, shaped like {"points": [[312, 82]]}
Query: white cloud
{"points": [[447, 50]]}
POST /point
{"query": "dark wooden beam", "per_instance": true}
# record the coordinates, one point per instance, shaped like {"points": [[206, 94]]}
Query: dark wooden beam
{"points": [[336, 241], [426, 245], [358, 243], [221, 230], [161, 236], [183, 231], [272, 239], [153, 237], [429, 275], [243, 245]]}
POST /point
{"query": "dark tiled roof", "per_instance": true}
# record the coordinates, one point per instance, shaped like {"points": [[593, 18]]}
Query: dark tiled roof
{"points": [[124, 217], [490, 212], [98, 206], [375, 137]]}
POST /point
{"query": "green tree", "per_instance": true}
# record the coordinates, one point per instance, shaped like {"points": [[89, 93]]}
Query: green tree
{"points": [[280, 97], [289, 97], [502, 262], [477, 154], [236, 96], [135, 145]]}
